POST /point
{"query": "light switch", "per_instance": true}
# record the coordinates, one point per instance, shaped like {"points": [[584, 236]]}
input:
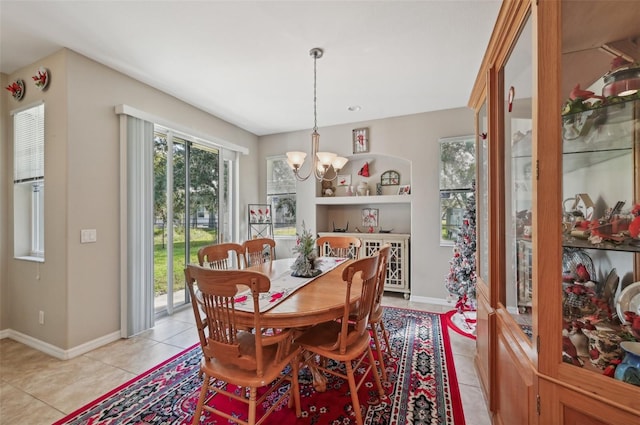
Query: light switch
{"points": [[88, 235]]}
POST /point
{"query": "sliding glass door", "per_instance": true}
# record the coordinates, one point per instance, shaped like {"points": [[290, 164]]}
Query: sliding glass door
{"points": [[186, 217]]}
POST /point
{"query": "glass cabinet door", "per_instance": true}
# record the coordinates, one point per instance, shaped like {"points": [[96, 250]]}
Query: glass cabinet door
{"points": [[516, 295], [600, 292]]}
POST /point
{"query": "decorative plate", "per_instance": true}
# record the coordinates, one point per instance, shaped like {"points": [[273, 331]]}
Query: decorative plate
{"points": [[17, 89], [41, 78], [629, 300]]}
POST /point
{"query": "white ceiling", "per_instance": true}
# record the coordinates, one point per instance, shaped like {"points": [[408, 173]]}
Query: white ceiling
{"points": [[248, 62]]}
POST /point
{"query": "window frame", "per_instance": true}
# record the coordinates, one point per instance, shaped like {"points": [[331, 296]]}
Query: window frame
{"points": [[274, 193], [460, 188], [29, 182]]}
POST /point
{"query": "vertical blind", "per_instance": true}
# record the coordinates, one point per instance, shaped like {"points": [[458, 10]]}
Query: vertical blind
{"points": [[29, 144]]}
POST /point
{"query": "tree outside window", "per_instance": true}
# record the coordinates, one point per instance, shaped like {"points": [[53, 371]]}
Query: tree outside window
{"points": [[457, 173], [281, 195]]}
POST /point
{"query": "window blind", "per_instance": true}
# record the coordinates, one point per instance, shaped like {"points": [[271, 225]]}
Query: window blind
{"points": [[28, 130]]}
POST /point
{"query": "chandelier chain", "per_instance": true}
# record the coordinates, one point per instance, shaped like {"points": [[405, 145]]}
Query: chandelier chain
{"points": [[315, 100]]}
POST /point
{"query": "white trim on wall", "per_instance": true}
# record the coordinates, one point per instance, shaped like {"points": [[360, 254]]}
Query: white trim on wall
{"points": [[129, 110]]}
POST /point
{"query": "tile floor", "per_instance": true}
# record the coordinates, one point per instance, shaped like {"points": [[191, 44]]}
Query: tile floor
{"points": [[37, 389]]}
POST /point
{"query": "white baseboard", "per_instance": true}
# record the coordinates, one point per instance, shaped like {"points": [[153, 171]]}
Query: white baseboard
{"points": [[58, 352]]}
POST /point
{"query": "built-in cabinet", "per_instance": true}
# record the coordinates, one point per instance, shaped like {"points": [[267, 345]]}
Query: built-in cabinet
{"points": [[558, 178], [398, 266], [377, 214]]}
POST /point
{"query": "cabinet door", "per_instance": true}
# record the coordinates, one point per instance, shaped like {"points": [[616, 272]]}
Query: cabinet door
{"points": [[482, 196], [517, 289], [600, 146], [600, 128], [398, 267]]}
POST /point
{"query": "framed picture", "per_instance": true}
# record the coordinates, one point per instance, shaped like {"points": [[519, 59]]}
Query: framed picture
{"points": [[390, 178], [343, 180], [360, 140], [370, 217], [405, 189]]}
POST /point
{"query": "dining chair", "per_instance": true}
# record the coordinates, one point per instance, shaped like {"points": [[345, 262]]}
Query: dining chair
{"points": [[375, 320], [222, 256], [339, 246], [259, 250], [347, 341], [242, 358]]}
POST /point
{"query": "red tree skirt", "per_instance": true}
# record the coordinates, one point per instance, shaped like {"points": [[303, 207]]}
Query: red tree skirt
{"points": [[463, 322]]}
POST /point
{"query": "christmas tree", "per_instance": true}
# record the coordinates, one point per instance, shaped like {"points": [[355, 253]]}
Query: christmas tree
{"points": [[461, 279]]}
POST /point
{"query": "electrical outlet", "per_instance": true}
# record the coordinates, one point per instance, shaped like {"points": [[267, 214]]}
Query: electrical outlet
{"points": [[41, 317], [88, 235]]}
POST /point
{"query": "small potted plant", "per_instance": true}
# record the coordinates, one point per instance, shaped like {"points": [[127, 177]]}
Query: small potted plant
{"points": [[305, 263]]}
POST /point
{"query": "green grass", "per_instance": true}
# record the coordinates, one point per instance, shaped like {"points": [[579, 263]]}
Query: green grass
{"points": [[199, 238]]}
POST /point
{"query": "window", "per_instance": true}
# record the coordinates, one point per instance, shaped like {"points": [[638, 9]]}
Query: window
{"points": [[28, 183], [281, 195], [457, 173]]}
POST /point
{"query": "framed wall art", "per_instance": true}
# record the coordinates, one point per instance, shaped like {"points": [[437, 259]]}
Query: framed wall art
{"points": [[370, 217], [343, 180], [390, 178], [360, 140], [405, 189]]}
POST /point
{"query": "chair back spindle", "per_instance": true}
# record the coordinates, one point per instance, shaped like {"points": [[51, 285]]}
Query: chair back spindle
{"points": [[222, 256], [259, 250], [356, 319]]}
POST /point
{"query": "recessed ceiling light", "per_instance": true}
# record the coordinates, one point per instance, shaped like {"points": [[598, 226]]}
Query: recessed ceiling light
{"points": [[354, 108]]}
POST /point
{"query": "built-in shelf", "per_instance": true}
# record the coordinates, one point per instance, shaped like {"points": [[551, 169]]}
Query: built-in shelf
{"points": [[357, 200]]}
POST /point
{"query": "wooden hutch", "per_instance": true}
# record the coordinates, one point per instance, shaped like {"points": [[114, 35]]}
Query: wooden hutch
{"points": [[538, 155]]}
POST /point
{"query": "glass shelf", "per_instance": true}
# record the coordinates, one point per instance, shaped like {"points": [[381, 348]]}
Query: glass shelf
{"points": [[626, 246]]}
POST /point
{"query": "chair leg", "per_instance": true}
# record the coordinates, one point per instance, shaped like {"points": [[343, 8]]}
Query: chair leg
{"points": [[203, 395], [376, 340], [375, 373], [354, 389], [252, 405], [295, 386], [385, 335]]}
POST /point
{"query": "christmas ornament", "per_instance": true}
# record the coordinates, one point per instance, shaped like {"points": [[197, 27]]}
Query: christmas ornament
{"points": [[364, 171]]}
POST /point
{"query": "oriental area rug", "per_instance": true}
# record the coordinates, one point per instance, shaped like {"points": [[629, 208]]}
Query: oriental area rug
{"points": [[422, 387]]}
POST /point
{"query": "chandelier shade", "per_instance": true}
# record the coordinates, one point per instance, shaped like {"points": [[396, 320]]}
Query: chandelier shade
{"points": [[325, 165]]}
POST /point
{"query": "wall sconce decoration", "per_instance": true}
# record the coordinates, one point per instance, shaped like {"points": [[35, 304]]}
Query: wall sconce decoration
{"points": [[41, 78], [17, 89]]}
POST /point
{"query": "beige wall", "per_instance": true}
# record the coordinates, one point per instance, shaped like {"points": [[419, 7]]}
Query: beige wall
{"points": [[78, 285], [413, 138]]}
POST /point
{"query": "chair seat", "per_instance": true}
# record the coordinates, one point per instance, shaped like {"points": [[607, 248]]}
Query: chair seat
{"points": [[321, 339], [231, 373]]}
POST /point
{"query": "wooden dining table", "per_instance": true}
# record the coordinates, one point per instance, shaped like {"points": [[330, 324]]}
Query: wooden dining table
{"points": [[318, 301]]}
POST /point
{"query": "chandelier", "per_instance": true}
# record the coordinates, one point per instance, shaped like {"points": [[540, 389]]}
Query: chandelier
{"points": [[325, 165]]}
